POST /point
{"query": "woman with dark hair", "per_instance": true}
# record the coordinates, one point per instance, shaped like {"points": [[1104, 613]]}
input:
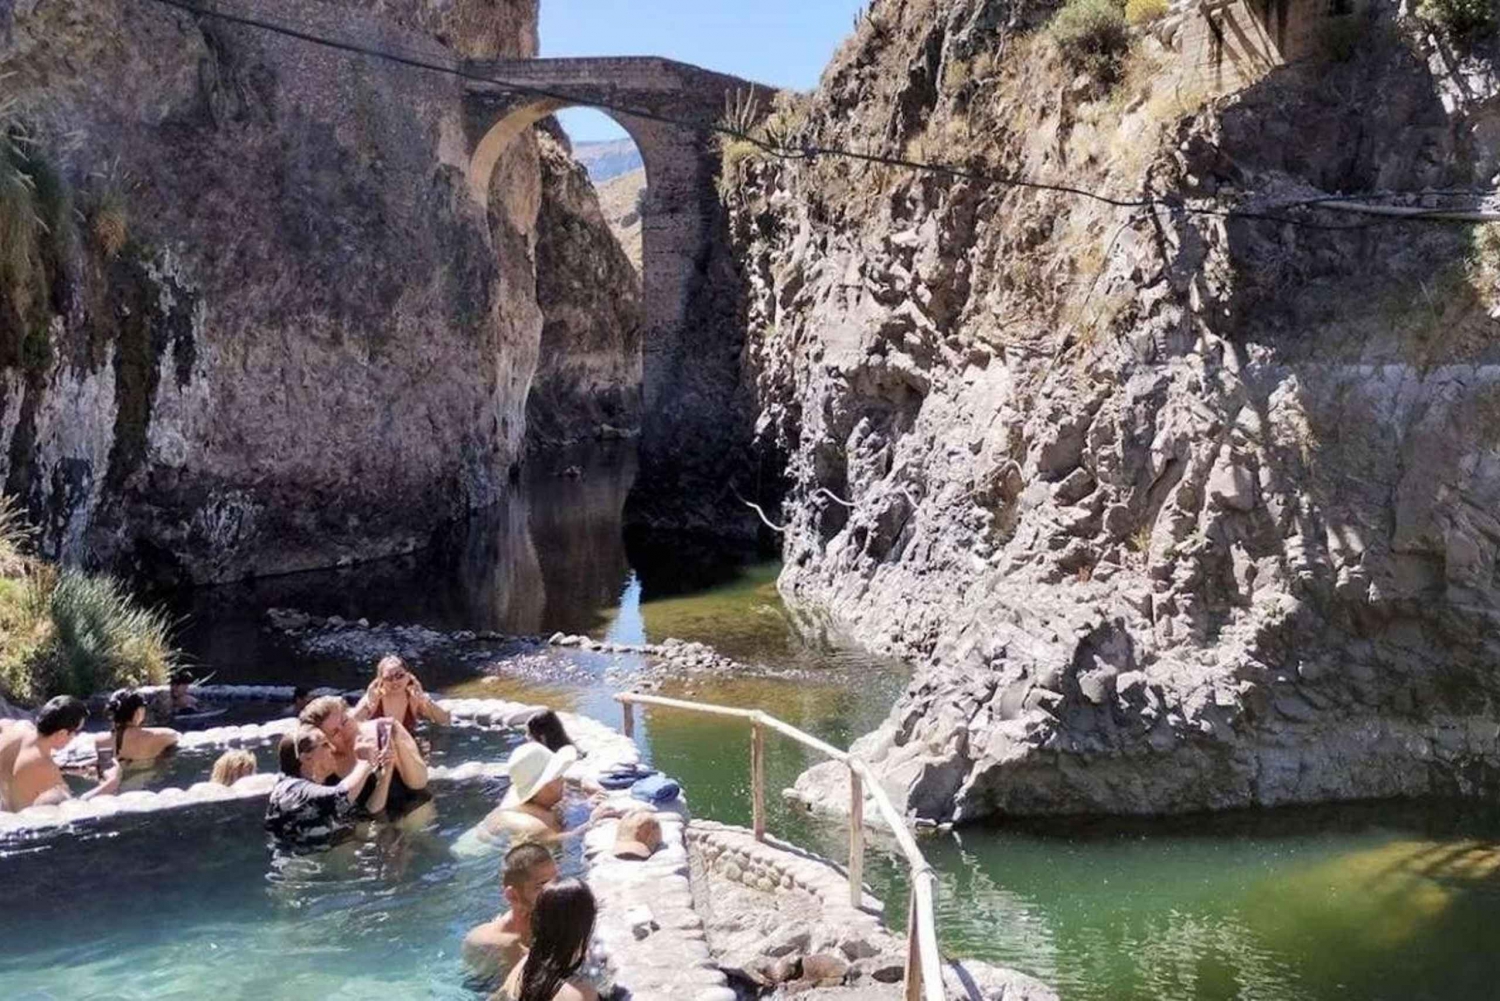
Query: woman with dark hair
{"points": [[546, 729], [129, 740], [562, 924]]}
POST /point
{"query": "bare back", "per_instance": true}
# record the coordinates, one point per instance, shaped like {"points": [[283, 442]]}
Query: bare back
{"points": [[146, 743], [27, 772]]}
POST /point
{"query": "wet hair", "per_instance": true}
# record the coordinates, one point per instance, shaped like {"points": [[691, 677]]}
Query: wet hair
{"points": [[59, 714], [304, 740], [233, 766], [561, 925], [122, 707], [183, 676], [546, 729], [521, 861], [316, 712]]}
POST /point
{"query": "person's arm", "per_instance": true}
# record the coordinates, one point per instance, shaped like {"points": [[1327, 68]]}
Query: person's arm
{"points": [[408, 758], [367, 702], [109, 785], [383, 772], [427, 707], [435, 712]]}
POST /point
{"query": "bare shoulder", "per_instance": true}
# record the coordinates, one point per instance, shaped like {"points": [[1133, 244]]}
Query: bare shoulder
{"points": [[517, 824], [575, 990]]}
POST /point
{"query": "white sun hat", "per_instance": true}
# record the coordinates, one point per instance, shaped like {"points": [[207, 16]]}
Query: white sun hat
{"points": [[531, 767]]}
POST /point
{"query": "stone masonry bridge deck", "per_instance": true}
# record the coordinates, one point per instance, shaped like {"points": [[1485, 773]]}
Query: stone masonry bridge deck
{"points": [[692, 424]]}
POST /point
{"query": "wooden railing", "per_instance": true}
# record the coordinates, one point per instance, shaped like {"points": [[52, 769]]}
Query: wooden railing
{"points": [[924, 970]]}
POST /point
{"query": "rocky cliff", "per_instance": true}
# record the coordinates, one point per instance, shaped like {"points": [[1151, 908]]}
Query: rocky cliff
{"points": [[264, 327], [588, 377], [1175, 510]]}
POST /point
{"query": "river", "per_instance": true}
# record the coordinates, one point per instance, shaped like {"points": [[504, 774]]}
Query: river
{"points": [[1370, 901]]}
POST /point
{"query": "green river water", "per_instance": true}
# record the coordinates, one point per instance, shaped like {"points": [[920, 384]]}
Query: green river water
{"points": [[1384, 901]]}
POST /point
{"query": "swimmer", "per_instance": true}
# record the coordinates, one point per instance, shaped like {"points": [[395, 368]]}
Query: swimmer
{"points": [[494, 948], [233, 766], [303, 809], [352, 741], [183, 700], [562, 923], [129, 739], [28, 775], [546, 729], [397, 694], [530, 809]]}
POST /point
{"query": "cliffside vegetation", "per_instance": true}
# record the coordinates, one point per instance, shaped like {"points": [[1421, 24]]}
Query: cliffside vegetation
{"points": [[66, 632]]}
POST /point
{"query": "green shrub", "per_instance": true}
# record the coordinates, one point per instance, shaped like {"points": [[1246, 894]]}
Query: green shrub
{"points": [[1091, 35], [1145, 11], [21, 225], [1459, 18], [72, 633]]}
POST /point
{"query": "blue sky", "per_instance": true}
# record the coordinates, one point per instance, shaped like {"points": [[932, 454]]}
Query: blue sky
{"points": [[785, 43]]}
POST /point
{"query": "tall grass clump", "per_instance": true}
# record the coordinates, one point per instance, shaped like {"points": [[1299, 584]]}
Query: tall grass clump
{"points": [[66, 632], [741, 115], [1091, 35], [108, 214], [22, 228], [1145, 11]]}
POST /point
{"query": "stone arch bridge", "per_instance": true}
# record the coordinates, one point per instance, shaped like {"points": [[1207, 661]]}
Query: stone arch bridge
{"points": [[693, 410]]}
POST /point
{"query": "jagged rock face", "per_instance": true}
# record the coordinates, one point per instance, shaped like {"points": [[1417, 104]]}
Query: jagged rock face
{"points": [[312, 347], [1174, 512], [588, 377]]}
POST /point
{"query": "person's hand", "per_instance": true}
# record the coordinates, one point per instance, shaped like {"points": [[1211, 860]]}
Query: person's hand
{"points": [[605, 811], [113, 772], [366, 746], [384, 758]]}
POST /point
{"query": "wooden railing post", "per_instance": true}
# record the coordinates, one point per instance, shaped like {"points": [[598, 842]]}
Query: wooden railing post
{"points": [[913, 949], [758, 780], [629, 721], [856, 839]]}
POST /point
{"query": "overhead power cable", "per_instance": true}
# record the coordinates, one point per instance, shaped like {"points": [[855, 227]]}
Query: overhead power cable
{"points": [[810, 152]]}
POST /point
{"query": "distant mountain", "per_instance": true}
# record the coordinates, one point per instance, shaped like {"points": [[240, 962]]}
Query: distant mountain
{"points": [[619, 200], [604, 160]]}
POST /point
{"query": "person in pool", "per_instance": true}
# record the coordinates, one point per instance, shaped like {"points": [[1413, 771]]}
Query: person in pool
{"points": [[530, 809], [546, 729], [181, 683], [562, 923], [28, 775], [397, 694], [129, 739], [232, 766], [493, 949], [352, 740], [303, 808]]}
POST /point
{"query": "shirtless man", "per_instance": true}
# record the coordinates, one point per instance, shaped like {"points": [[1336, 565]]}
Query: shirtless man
{"points": [[493, 949], [353, 740], [28, 775], [530, 810]]}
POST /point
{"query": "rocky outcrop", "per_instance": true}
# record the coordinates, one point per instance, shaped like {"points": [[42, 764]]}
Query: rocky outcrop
{"points": [[281, 334], [588, 377], [1176, 511]]}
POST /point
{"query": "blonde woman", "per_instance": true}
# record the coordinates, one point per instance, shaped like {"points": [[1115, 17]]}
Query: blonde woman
{"points": [[233, 766]]}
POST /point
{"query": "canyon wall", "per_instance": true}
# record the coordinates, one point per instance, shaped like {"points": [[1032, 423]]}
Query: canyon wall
{"points": [[1174, 510], [588, 378], [268, 329]]}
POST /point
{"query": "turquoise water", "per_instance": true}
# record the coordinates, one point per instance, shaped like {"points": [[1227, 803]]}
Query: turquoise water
{"points": [[200, 907], [1379, 902]]}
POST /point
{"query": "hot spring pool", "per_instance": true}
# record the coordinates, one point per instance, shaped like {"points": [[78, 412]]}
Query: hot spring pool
{"points": [[193, 904], [444, 745]]}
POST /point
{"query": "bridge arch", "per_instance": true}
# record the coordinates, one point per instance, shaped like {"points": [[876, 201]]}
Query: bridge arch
{"points": [[694, 417]]}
